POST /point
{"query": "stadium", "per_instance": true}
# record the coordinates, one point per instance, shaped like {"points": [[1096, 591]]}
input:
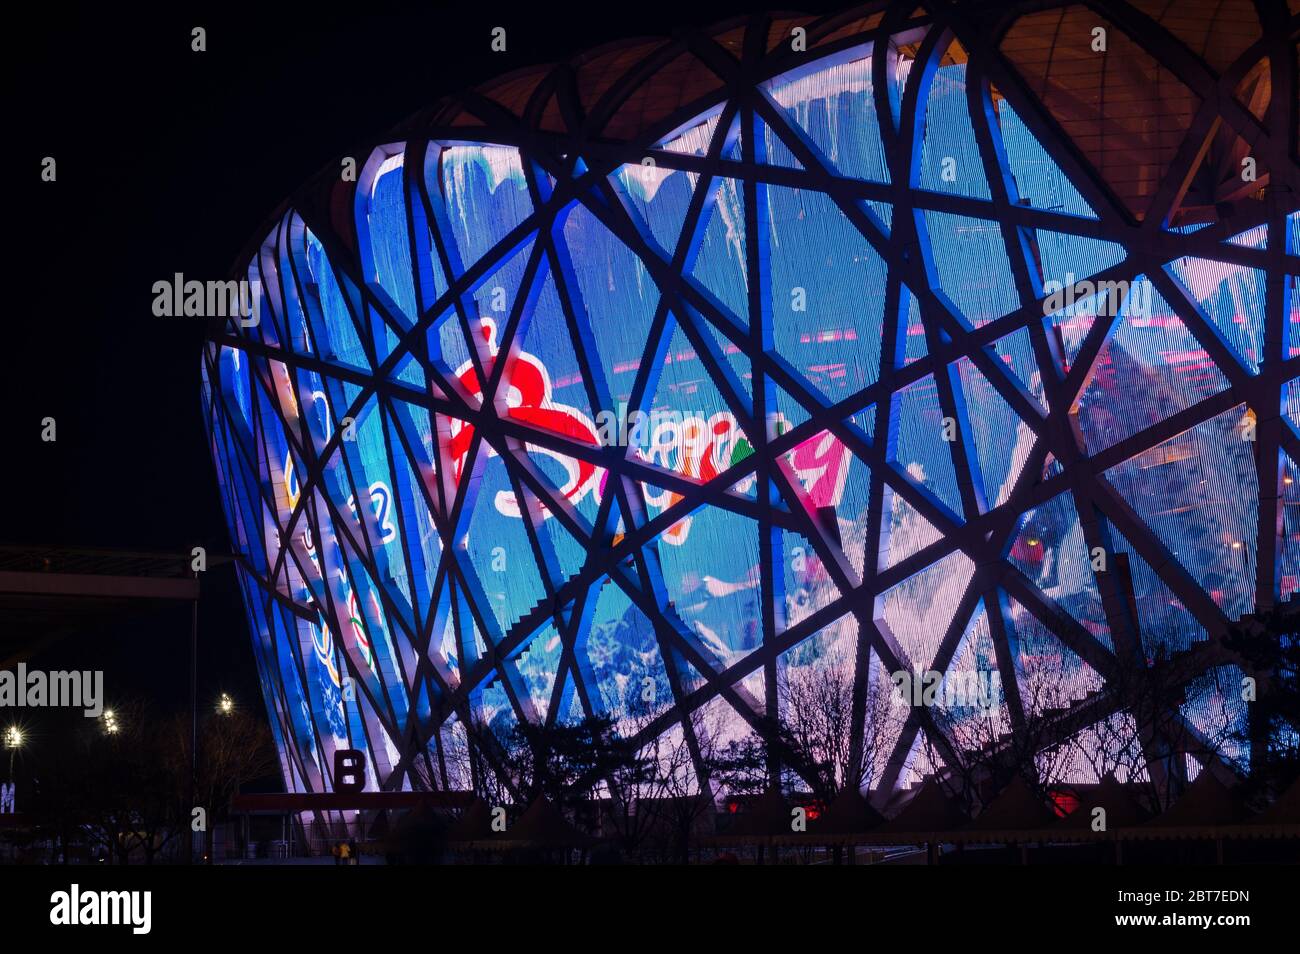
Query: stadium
{"points": [[688, 379]]}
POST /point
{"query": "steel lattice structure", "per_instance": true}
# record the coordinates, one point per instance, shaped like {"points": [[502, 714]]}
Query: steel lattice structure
{"points": [[825, 251]]}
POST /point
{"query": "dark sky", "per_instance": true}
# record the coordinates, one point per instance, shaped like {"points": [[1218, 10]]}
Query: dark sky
{"points": [[170, 161]]}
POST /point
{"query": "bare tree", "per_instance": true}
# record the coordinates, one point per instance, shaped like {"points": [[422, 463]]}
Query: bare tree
{"points": [[689, 788], [476, 757], [638, 788], [1143, 739], [1268, 646], [987, 746], [1150, 736], [234, 748], [816, 706]]}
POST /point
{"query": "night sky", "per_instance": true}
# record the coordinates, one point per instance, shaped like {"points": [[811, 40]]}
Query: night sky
{"points": [[171, 161]]}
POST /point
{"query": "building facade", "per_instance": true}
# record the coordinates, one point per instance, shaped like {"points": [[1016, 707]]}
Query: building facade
{"points": [[798, 354]]}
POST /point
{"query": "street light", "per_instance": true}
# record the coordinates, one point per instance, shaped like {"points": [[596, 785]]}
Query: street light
{"points": [[110, 722], [225, 705], [13, 742]]}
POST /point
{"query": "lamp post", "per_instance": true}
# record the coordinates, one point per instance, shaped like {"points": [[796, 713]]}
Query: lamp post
{"points": [[194, 716], [13, 742]]}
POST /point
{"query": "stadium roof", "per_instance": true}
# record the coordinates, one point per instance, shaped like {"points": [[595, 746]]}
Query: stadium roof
{"points": [[1129, 117]]}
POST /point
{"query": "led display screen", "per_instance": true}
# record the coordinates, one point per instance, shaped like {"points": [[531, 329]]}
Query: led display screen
{"points": [[863, 373]]}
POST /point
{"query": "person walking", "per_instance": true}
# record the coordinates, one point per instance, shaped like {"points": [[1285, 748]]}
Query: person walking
{"points": [[345, 852]]}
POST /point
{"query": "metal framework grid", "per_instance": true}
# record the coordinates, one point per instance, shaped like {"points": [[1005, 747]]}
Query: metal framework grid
{"points": [[444, 414]]}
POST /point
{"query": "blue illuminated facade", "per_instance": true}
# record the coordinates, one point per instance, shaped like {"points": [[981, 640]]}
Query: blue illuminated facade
{"points": [[635, 397]]}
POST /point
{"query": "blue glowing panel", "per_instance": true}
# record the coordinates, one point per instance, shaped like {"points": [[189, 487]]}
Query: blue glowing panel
{"points": [[968, 262], [950, 157], [1154, 361], [1038, 180], [835, 109], [1197, 491], [826, 320]]}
